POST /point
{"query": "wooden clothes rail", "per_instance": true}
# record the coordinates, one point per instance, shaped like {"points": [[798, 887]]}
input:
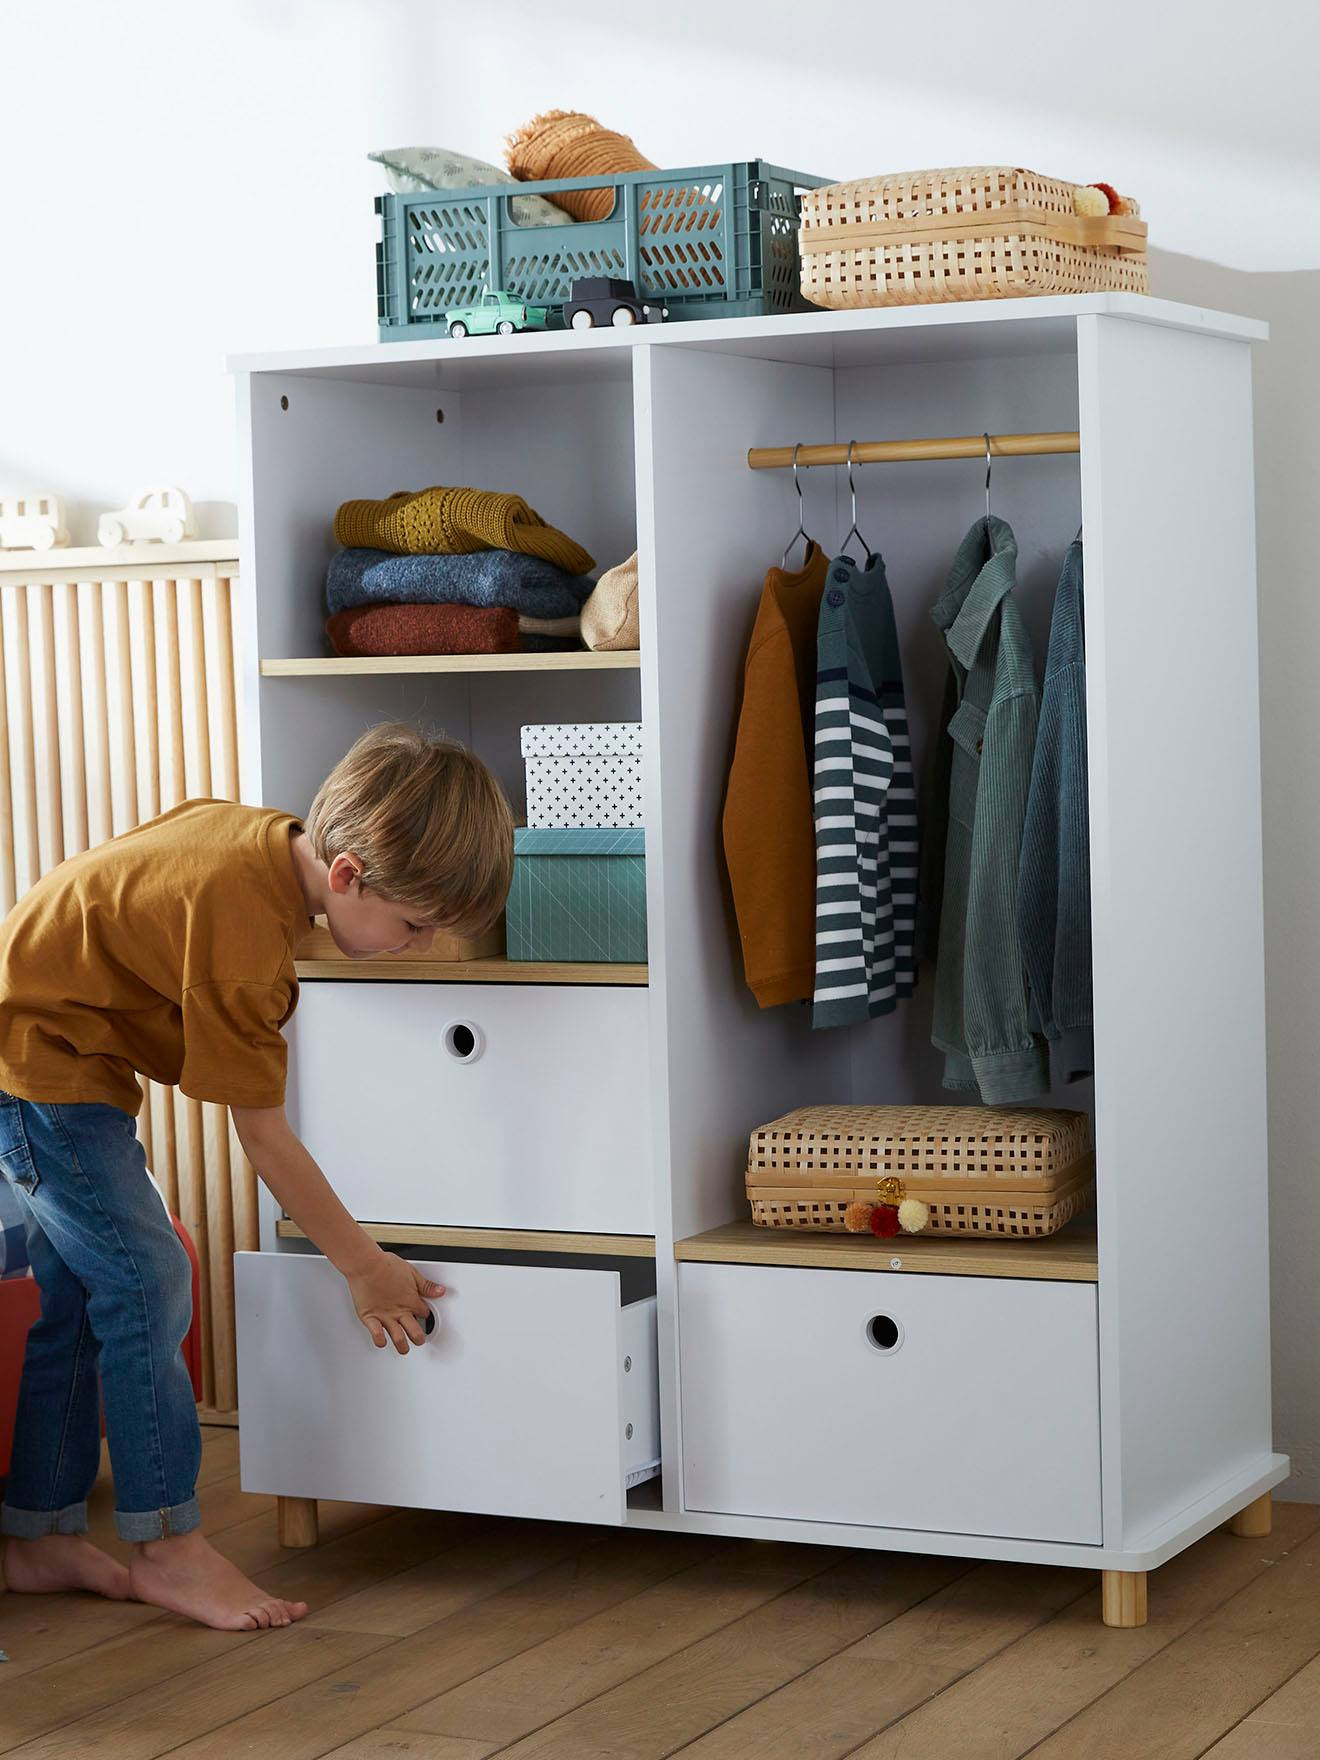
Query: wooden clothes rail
{"points": [[771, 458], [117, 701]]}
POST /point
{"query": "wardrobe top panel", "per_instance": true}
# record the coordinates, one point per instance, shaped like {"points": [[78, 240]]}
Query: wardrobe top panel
{"points": [[968, 329]]}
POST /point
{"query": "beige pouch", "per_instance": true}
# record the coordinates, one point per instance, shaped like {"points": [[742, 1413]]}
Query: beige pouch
{"points": [[609, 617]]}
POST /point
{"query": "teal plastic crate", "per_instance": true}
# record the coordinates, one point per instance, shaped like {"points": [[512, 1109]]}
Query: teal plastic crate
{"points": [[709, 241], [578, 895]]}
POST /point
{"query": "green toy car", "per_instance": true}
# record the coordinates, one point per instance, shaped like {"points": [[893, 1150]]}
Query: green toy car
{"points": [[496, 314]]}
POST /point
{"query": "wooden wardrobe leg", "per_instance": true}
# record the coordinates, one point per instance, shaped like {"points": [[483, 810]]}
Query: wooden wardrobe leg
{"points": [[295, 1519], [1256, 1520], [1123, 1598]]}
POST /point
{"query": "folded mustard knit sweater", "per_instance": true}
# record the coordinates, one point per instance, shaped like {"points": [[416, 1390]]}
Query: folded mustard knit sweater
{"points": [[454, 522]]}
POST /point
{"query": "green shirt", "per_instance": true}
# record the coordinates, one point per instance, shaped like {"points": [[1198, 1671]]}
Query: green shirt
{"points": [[981, 1018]]}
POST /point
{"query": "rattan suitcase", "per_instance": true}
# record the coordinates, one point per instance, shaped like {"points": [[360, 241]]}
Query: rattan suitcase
{"points": [[976, 1170], [973, 232]]}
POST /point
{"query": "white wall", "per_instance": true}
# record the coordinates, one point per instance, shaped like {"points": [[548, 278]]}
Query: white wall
{"points": [[182, 182], [1286, 381], [187, 181]]}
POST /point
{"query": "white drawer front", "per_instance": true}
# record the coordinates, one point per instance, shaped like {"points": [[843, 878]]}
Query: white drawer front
{"points": [[982, 1419], [535, 1395], [544, 1124]]}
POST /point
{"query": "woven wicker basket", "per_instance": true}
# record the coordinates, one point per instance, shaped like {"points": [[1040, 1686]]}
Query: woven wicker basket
{"points": [[977, 232], [980, 1170]]}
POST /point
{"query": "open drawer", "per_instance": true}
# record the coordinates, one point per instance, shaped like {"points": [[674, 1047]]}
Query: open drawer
{"points": [[536, 1394]]}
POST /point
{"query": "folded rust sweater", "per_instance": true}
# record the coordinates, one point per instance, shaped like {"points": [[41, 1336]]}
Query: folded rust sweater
{"points": [[424, 629], [455, 522]]}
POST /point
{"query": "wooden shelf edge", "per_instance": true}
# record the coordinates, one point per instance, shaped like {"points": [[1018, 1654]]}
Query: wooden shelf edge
{"points": [[1069, 1256], [504, 1240], [571, 660], [474, 971]]}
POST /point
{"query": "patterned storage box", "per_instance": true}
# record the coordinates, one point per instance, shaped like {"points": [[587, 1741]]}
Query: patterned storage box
{"points": [[578, 895], [978, 1170], [584, 775]]}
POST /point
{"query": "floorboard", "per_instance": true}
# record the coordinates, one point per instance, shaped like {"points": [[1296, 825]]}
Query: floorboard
{"points": [[451, 1637]]}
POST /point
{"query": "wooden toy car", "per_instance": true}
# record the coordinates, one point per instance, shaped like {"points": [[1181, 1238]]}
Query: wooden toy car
{"points": [[165, 513], [606, 299], [32, 522], [498, 313]]}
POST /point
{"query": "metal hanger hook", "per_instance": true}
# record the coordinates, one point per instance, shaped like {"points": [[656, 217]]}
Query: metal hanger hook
{"points": [[986, 438], [853, 530], [801, 531]]}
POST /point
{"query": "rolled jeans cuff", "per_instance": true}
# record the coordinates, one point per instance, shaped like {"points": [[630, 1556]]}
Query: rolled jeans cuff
{"points": [[35, 1524], [158, 1524]]}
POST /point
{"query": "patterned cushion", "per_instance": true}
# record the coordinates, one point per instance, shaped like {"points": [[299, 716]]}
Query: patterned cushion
{"points": [[414, 170]]}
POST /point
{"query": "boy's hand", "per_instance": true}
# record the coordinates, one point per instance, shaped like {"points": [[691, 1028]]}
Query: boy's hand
{"points": [[389, 1299]]}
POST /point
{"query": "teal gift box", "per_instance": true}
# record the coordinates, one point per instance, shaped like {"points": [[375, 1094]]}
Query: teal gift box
{"points": [[578, 895]]}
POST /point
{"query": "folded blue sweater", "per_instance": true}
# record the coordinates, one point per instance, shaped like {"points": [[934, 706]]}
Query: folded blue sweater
{"points": [[524, 584]]}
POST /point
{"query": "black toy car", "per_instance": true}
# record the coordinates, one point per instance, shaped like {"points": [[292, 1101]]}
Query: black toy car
{"points": [[604, 299]]}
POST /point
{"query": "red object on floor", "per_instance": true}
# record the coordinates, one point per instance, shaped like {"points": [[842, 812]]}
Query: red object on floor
{"points": [[192, 1345], [20, 1308]]}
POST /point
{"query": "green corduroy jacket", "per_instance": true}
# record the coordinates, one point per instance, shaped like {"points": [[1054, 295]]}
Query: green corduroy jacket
{"points": [[982, 1023]]}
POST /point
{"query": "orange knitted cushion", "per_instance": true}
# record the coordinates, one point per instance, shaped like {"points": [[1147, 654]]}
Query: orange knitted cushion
{"points": [[564, 143]]}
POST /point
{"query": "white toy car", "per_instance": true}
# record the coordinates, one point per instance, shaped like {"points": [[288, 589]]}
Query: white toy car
{"points": [[32, 522], [165, 514]]}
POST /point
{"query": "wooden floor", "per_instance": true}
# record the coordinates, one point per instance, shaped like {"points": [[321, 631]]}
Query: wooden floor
{"points": [[447, 1637]]}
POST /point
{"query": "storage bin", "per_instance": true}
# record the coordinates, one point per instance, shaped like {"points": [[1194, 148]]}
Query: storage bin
{"points": [[958, 1405], [979, 1170], [578, 895], [507, 1102], [584, 774], [975, 232], [536, 1394], [710, 241]]}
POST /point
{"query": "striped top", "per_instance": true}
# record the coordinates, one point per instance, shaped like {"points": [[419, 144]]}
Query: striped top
{"points": [[865, 803]]}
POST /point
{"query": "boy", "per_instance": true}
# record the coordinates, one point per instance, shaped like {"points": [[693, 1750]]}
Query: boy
{"points": [[169, 951]]}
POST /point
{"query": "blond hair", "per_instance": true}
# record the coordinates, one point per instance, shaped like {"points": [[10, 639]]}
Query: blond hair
{"points": [[426, 819]]}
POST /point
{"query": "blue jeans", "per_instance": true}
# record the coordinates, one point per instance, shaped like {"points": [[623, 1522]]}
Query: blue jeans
{"points": [[116, 1296]]}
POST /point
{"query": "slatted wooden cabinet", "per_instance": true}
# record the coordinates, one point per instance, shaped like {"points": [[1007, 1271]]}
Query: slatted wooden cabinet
{"points": [[117, 701]]}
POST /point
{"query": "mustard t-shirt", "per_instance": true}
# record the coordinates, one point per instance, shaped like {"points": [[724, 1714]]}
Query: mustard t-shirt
{"points": [[167, 951]]}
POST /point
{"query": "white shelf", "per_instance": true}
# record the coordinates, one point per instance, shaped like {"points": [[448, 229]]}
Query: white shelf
{"points": [[503, 1240], [619, 660], [473, 971], [954, 331], [1068, 1257]]}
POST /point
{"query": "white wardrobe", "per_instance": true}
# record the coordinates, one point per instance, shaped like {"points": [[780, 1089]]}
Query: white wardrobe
{"points": [[619, 1344]]}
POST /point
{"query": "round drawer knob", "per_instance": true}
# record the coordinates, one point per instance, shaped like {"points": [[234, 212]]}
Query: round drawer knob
{"points": [[464, 1041], [883, 1333]]}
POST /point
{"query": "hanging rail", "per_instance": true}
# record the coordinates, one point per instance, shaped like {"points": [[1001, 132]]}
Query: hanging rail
{"points": [[771, 458]]}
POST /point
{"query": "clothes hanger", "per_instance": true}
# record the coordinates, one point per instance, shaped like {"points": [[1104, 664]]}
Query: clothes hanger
{"points": [[853, 531], [801, 532]]}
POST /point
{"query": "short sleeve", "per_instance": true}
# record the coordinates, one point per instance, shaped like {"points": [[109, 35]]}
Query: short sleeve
{"points": [[233, 1050]]}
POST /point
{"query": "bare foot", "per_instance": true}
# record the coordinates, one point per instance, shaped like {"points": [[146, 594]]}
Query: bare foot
{"points": [[64, 1561], [186, 1575]]}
